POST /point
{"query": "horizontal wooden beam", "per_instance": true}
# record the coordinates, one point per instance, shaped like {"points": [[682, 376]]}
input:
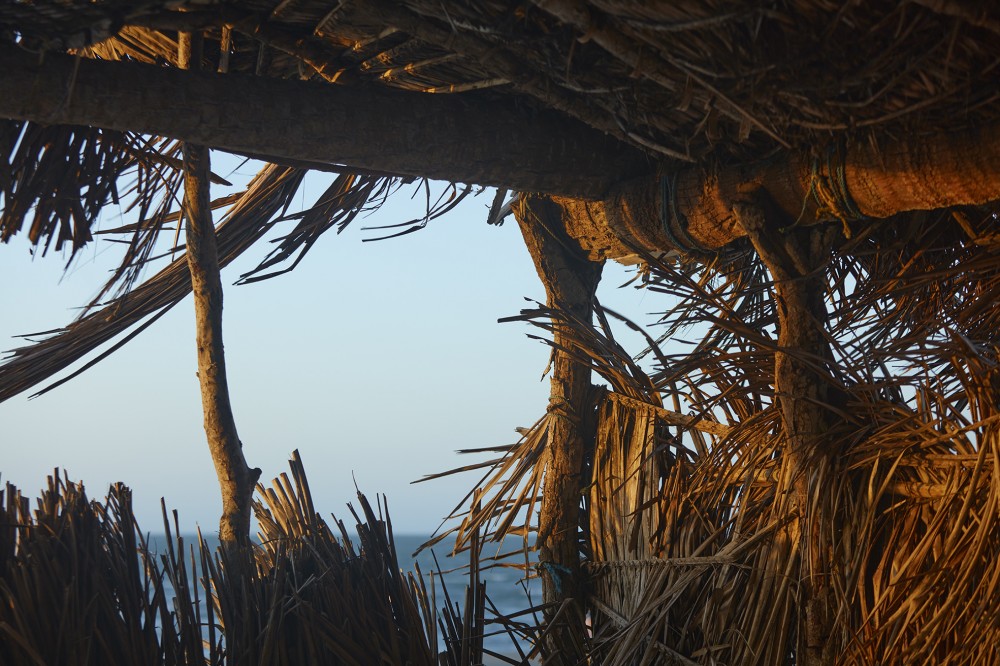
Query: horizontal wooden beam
{"points": [[692, 209], [459, 137]]}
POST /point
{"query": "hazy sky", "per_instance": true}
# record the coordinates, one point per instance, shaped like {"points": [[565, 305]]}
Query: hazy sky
{"points": [[375, 360]]}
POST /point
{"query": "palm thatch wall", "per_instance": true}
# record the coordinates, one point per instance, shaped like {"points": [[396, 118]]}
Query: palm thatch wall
{"points": [[80, 584], [695, 536], [695, 561]]}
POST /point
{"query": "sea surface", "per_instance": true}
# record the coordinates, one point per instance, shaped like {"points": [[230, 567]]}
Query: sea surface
{"points": [[506, 587]]}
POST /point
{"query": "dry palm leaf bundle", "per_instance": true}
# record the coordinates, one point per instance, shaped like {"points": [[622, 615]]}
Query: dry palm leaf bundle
{"points": [[80, 585], [60, 178], [699, 545], [310, 596]]}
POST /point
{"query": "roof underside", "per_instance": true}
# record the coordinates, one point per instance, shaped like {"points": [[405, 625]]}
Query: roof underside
{"points": [[683, 81], [686, 86]]}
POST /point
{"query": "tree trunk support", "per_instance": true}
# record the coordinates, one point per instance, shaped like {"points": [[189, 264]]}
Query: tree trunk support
{"points": [[808, 398], [570, 281], [236, 479]]}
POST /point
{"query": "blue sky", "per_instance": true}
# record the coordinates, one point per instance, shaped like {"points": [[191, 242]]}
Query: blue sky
{"points": [[375, 360]]}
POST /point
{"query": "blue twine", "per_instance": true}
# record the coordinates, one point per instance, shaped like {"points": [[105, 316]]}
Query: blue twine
{"points": [[847, 207], [556, 572], [828, 189]]}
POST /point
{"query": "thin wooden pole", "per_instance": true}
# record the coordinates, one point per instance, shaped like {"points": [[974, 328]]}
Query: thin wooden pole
{"points": [[236, 479], [570, 280], [808, 398]]}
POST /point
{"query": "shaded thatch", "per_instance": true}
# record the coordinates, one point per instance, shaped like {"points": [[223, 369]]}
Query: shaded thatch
{"points": [[80, 584]]}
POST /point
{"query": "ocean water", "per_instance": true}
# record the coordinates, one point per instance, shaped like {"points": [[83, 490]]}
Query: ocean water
{"points": [[507, 589], [506, 586]]}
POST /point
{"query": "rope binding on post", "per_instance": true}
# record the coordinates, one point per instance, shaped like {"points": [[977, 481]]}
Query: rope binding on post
{"points": [[828, 189], [672, 220]]}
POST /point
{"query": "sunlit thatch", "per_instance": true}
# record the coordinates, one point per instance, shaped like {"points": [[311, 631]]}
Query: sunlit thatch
{"points": [[689, 528]]}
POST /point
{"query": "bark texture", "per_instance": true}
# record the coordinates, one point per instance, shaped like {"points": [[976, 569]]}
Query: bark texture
{"points": [[236, 479], [866, 180], [570, 281], [809, 399]]}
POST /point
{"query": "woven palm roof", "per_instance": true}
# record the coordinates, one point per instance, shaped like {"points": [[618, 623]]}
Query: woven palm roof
{"points": [[684, 81]]}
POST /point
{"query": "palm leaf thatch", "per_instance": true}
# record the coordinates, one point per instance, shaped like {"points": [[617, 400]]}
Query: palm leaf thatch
{"points": [[81, 585], [695, 543], [681, 81]]}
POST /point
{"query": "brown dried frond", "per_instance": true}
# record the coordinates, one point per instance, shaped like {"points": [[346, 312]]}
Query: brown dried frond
{"points": [[80, 585], [247, 220], [61, 177]]}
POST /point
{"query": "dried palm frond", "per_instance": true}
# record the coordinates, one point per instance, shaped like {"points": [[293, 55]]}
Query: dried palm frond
{"points": [[79, 585], [347, 197], [61, 177], [506, 497], [592, 347], [353, 603], [74, 583], [248, 219]]}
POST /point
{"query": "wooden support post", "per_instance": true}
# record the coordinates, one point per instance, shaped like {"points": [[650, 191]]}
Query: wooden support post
{"points": [[236, 479], [808, 398], [570, 280]]}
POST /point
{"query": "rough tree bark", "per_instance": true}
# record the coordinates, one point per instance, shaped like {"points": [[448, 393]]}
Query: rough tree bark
{"points": [[570, 281], [236, 479], [846, 185], [809, 399]]}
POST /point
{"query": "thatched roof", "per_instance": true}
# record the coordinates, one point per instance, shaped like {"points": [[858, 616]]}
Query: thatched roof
{"points": [[684, 81], [662, 85], [583, 100]]}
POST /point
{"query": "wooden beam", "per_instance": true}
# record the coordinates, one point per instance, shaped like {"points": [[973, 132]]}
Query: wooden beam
{"points": [[811, 402], [570, 281], [693, 208], [462, 138]]}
